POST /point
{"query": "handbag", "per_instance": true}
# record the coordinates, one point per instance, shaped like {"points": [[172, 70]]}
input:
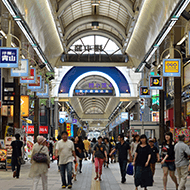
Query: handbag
{"points": [[130, 169], [40, 157]]}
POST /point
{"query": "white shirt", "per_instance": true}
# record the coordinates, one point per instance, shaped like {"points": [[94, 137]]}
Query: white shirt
{"points": [[65, 150]]}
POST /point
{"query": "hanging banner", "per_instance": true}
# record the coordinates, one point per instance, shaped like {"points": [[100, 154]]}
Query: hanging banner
{"points": [[31, 78], [24, 103], [155, 82], [22, 71], [172, 68], [144, 92], [9, 57], [37, 85], [68, 129], [45, 94]]}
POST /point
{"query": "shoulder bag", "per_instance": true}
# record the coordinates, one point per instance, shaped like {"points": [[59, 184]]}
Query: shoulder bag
{"points": [[40, 157]]}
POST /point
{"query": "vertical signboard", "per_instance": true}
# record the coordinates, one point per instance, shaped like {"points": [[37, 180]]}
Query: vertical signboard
{"points": [[0, 88], [68, 129]]}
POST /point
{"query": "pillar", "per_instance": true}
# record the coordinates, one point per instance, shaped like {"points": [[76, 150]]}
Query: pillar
{"points": [[161, 116], [36, 116], [56, 112]]}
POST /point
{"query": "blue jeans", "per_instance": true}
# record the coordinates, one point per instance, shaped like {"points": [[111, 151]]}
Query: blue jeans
{"points": [[123, 168], [69, 168]]}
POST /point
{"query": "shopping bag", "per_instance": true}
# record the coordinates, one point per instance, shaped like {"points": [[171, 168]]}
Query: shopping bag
{"points": [[130, 169]]}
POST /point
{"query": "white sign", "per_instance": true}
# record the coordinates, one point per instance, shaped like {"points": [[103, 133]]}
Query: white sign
{"points": [[124, 115], [62, 114], [21, 71]]}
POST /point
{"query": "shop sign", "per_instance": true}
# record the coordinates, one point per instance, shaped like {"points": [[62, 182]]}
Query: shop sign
{"points": [[29, 145], [30, 129], [37, 85], [93, 92], [61, 120], [56, 133], [24, 103], [188, 108], [74, 121], [63, 114], [125, 115], [155, 82], [155, 116], [187, 75], [31, 78], [9, 57], [0, 88], [68, 129], [3, 155], [172, 68], [21, 71], [144, 92], [45, 94]]}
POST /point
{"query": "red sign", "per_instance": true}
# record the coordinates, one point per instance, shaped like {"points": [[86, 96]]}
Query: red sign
{"points": [[37, 82], [68, 128], [31, 77], [42, 129]]}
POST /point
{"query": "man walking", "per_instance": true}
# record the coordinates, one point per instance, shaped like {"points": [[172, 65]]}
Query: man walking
{"points": [[123, 148], [87, 147], [182, 151], [16, 156], [66, 150]]}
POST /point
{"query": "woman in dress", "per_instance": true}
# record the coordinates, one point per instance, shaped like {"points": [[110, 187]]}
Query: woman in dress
{"points": [[79, 149], [143, 173], [168, 159], [38, 170]]}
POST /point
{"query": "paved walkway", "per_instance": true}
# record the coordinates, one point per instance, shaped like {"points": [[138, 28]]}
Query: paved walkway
{"points": [[111, 179]]}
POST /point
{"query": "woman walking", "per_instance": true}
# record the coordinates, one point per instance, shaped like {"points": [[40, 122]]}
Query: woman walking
{"points": [[38, 170], [99, 153], [168, 158], [108, 147], [79, 149], [134, 145], [143, 173]]}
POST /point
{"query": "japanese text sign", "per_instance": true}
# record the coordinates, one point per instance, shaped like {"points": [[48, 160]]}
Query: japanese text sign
{"points": [[68, 129], [36, 85], [155, 83], [144, 92], [172, 68], [31, 78], [9, 57], [24, 103], [22, 71]]}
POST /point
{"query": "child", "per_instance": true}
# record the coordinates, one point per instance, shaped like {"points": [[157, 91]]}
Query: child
{"points": [[154, 156]]}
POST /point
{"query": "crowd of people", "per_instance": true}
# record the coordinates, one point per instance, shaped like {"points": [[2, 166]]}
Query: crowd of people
{"points": [[142, 152]]}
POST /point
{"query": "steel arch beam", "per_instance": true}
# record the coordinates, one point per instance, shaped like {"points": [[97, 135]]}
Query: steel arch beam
{"points": [[89, 99], [125, 3], [88, 19], [96, 106], [91, 102], [103, 33]]}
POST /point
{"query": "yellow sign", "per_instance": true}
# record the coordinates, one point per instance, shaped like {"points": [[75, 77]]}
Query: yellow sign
{"points": [[171, 66], [56, 133], [188, 108], [68, 129], [24, 103]]}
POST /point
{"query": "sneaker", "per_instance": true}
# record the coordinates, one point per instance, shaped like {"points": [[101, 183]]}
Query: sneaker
{"points": [[14, 174], [69, 186], [63, 186]]}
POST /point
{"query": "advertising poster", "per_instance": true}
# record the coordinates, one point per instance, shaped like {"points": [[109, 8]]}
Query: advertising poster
{"points": [[3, 155], [29, 145], [8, 161], [2, 144], [8, 141]]}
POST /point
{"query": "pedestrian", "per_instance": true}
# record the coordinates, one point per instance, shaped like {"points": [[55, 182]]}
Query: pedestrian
{"points": [[182, 151], [79, 148], [51, 145], [66, 150], [87, 147], [123, 148], [156, 143], [155, 157], [99, 154], [108, 150], [38, 170], [92, 144], [143, 173], [168, 159], [16, 156], [134, 144], [113, 156], [54, 149]]}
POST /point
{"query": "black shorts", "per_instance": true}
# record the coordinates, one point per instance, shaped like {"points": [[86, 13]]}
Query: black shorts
{"points": [[169, 165]]}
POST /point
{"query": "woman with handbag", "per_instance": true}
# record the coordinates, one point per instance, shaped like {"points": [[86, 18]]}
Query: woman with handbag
{"points": [[40, 163]]}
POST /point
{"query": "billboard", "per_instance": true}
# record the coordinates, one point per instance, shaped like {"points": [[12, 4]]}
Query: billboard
{"points": [[172, 68], [9, 57], [23, 71]]}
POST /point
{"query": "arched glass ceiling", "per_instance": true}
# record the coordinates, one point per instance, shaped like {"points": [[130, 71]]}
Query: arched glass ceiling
{"points": [[94, 44]]}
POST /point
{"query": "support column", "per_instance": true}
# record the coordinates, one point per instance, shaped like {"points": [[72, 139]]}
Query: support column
{"points": [[16, 118], [56, 117], [177, 102], [161, 116], [36, 116]]}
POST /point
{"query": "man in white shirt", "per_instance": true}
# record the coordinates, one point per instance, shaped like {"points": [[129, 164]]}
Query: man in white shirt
{"points": [[66, 150]]}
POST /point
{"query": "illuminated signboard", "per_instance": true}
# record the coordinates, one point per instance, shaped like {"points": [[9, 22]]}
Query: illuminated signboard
{"points": [[24, 106], [21, 71], [144, 92], [31, 78], [30, 129], [37, 85], [9, 57], [94, 92], [155, 82], [68, 129], [172, 68]]}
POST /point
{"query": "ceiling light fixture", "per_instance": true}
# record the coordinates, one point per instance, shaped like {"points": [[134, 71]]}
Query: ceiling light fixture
{"points": [[95, 3], [95, 26]]}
